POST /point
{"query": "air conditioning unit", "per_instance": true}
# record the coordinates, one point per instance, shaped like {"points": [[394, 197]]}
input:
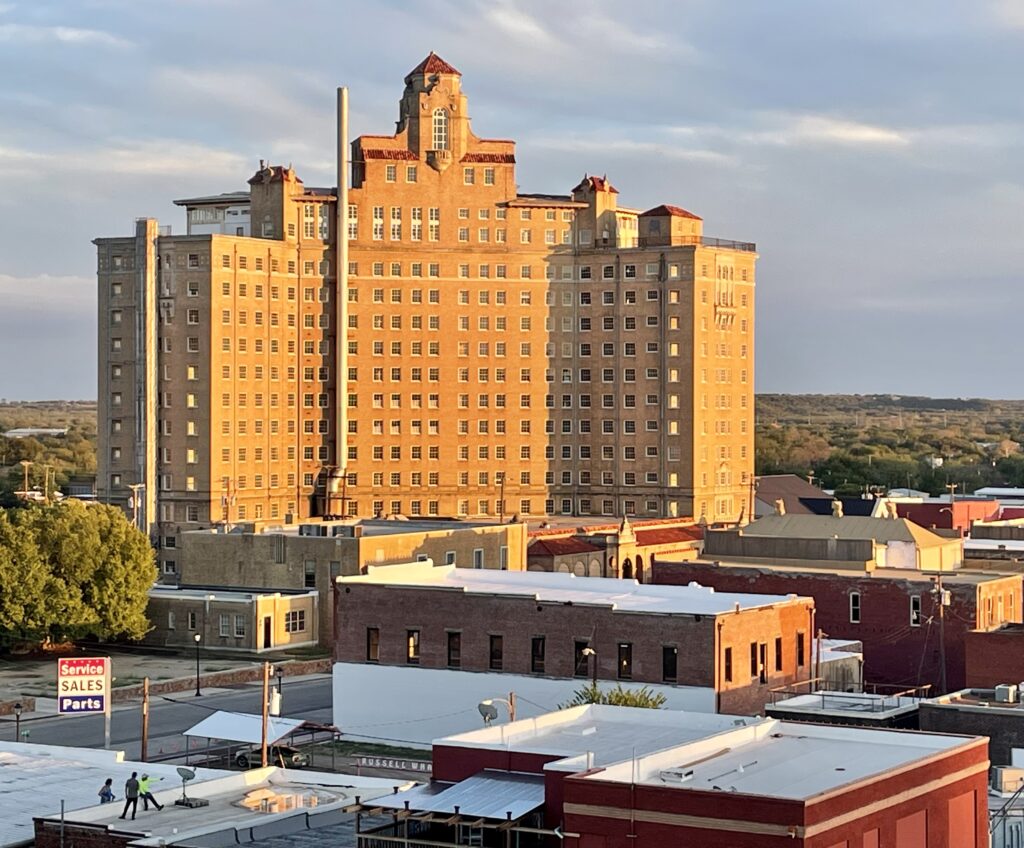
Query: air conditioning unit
{"points": [[312, 529], [349, 531], [1007, 779], [1006, 693]]}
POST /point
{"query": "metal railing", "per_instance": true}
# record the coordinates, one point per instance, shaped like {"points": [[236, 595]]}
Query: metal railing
{"points": [[677, 241]]}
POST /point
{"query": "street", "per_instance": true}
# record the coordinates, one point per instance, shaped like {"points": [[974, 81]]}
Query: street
{"points": [[169, 716]]}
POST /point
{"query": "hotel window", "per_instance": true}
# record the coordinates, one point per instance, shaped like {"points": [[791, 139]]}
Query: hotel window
{"points": [[800, 650], [440, 129], [854, 607], [295, 621], [468, 176], [537, 655], [410, 173]]}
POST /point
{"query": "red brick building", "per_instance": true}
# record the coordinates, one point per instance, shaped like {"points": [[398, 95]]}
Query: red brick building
{"points": [[894, 613], [994, 657], [737, 645], [612, 777], [944, 515]]}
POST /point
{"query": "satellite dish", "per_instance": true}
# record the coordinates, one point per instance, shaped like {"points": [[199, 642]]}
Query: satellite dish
{"points": [[488, 711], [187, 774]]}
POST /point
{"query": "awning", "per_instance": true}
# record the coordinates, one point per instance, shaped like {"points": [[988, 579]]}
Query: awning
{"points": [[498, 795], [244, 727]]}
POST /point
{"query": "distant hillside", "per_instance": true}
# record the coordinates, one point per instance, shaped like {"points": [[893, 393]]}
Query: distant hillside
{"points": [[856, 442]]}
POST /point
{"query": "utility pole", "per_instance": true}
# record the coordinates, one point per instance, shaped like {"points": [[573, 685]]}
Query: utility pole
{"points": [[942, 633], [25, 463], [145, 720], [501, 497], [817, 657], [135, 489], [266, 718]]}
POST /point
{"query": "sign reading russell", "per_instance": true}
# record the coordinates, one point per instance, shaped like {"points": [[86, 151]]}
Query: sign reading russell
{"points": [[83, 685]]}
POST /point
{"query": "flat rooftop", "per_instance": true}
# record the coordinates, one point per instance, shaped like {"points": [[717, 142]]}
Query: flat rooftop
{"points": [[224, 595], [845, 704], [619, 595], [815, 567], [34, 779], [279, 799], [981, 699], [779, 759], [369, 526], [971, 544], [597, 735]]}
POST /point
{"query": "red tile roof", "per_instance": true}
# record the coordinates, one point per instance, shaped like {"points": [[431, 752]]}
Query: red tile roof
{"points": [[669, 536], [389, 154], [560, 547], [433, 64], [674, 211], [490, 157]]}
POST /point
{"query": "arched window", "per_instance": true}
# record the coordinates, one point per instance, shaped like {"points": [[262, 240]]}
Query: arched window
{"points": [[440, 129]]}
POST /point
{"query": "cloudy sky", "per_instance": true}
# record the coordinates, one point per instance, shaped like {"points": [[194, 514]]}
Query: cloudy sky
{"points": [[871, 149]]}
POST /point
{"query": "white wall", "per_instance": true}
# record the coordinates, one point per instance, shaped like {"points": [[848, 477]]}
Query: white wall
{"points": [[414, 706]]}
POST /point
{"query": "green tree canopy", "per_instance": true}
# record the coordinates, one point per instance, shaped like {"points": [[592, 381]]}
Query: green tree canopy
{"points": [[617, 697], [72, 570]]}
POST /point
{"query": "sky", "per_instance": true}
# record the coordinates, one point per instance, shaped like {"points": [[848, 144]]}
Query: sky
{"points": [[870, 149]]}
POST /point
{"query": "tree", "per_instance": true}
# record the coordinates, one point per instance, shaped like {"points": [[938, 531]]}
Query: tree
{"points": [[617, 697], [79, 570]]}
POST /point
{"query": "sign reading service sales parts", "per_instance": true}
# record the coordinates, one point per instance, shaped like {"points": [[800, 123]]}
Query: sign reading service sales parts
{"points": [[83, 685]]}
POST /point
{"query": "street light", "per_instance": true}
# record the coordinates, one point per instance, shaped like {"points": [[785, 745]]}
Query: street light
{"points": [[590, 652], [199, 638], [17, 721]]}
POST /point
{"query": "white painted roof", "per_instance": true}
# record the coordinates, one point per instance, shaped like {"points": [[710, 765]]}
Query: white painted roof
{"points": [[620, 595], [224, 595], [34, 779], [1000, 492], [243, 727], [487, 795], [993, 544], [779, 759], [597, 735]]}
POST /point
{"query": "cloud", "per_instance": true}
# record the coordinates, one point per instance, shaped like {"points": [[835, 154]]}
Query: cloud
{"points": [[519, 26], [145, 158], [32, 34], [821, 129], [1008, 13], [43, 293], [602, 147]]}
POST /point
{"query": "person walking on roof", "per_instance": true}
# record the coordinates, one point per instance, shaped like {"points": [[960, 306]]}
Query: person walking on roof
{"points": [[131, 795], [146, 795]]}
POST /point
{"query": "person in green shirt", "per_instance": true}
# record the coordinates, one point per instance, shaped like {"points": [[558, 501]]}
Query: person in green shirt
{"points": [[145, 794]]}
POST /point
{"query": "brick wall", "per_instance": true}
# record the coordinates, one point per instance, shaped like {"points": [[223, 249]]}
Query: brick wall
{"points": [[894, 651], [993, 657], [436, 613]]}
